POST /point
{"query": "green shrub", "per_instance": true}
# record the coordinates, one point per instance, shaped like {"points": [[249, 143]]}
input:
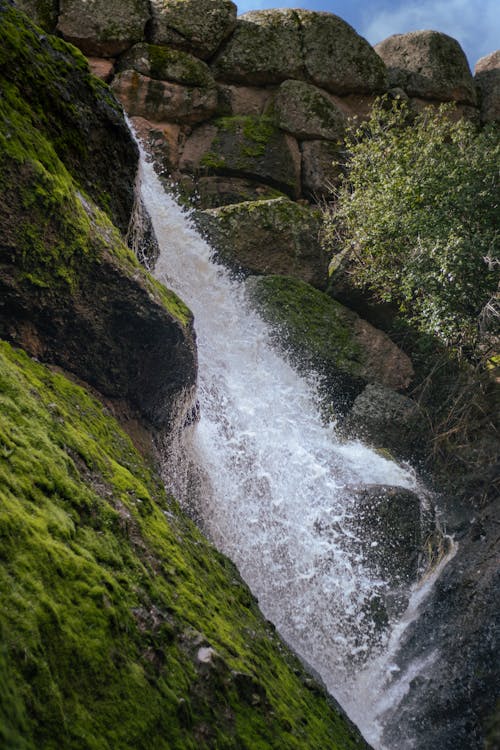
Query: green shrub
{"points": [[417, 212]]}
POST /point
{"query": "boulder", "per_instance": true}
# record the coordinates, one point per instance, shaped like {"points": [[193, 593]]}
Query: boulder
{"points": [[429, 65], [264, 48], [160, 101], [102, 28], [43, 12], [322, 335], [197, 26], [336, 58], [248, 147], [321, 167], [161, 142], [164, 64], [392, 529], [268, 237], [487, 78], [385, 419], [243, 100], [308, 113]]}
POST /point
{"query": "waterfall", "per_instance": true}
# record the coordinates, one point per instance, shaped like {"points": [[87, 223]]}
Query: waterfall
{"points": [[269, 474]]}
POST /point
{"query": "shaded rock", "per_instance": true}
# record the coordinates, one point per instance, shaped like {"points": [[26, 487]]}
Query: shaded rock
{"points": [[161, 141], [165, 64], [268, 237], [453, 705], [242, 100], [321, 334], [336, 58], [249, 147], [264, 48], [161, 100], [428, 64], [212, 191], [141, 237], [487, 78], [102, 68], [198, 26], [385, 419], [307, 112], [320, 167], [42, 12], [102, 28]]}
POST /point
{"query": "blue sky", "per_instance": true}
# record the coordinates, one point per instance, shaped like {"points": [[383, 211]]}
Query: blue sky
{"points": [[476, 25]]}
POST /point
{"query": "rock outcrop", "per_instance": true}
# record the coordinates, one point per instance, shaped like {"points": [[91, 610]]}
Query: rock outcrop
{"points": [[487, 78]]}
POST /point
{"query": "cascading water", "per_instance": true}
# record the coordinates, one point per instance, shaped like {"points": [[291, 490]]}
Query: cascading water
{"points": [[272, 473]]}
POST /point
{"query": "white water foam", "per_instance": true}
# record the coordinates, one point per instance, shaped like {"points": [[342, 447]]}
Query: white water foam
{"points": [[271, 468]]}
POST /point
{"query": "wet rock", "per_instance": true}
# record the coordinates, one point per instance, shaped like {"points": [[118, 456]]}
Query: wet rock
{"points": [[386, 419], [160, 101], [307, 112], [453, 704], [325, 336], [161, 141], [103, 28], [212, 191], [248, 147], [268, 236], [429, 65], [487, 78], [336, 58], [198, 26], [264, 48]]}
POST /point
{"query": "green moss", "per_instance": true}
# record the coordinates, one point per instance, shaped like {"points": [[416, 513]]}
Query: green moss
{"points": [[107, 592], [312, 321]]}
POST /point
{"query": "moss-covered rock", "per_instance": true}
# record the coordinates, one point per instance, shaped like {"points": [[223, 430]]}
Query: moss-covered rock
{"points": [[250, 147], [428, 64], [308, 113], [338, 59], [122, 627], [101, 27], [264, 48], [71, 291], [166, 64], [268, 237], [321, 334], [198, 26], [50, 86], [270, 46], [163, 101], [211, 191]]}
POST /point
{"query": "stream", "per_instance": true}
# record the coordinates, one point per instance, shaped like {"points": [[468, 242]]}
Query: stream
{"points": [[262, 474]]}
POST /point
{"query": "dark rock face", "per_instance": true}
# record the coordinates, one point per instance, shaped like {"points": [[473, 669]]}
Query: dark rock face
{"points": [[453, 705]]}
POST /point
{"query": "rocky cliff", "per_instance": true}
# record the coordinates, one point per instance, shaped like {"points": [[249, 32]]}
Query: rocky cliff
{"points": [[121, 626]]}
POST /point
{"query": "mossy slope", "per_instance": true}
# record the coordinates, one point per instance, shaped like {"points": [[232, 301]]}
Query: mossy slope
{"points": [[107, 595]]}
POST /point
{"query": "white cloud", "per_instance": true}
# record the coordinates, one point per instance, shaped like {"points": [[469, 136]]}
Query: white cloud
{"points": [[475, 25]]}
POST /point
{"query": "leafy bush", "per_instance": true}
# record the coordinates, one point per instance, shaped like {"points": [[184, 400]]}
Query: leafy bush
{"points": [[417, 214]]}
